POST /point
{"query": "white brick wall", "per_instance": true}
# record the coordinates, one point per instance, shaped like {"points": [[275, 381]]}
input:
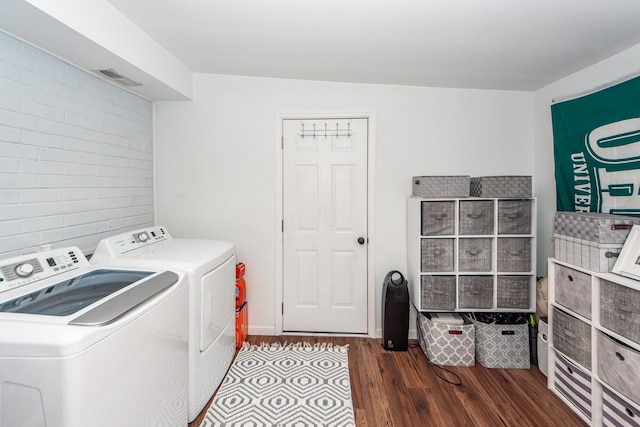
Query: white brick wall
{"points": [[76, 154]]}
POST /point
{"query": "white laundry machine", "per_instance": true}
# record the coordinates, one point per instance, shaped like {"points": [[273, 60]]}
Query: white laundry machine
{"points": [[210, 266], [84, 346]]}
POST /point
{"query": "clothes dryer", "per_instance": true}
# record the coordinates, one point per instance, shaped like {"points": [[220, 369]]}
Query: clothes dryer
{"points": [[210, 266], [83, 346]]}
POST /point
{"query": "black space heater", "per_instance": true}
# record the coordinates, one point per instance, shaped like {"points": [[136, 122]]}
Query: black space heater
{"points": [[395, 312]]}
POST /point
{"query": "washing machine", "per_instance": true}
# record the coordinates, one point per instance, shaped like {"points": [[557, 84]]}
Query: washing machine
{"points": [[210, 266], [83, 346]]}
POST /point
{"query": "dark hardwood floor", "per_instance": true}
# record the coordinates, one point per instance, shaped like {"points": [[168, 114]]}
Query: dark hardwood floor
{"points": [[402, 389]]}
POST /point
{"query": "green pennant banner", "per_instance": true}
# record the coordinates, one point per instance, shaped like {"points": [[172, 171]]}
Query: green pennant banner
{"points": [[597, 151]]}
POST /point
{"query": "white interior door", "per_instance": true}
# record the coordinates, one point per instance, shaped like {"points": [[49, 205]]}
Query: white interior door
{"points": [[325, 225]]}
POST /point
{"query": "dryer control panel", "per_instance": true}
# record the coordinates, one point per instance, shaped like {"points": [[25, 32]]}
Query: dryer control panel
{"points": [[25, 269], [122, 244]]}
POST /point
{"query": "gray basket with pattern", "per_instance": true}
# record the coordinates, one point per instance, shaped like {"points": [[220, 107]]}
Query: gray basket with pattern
{"points": [[450, 345], [572, 337], [476, 217], [590, 240], [514, 216], [438, 293], [475, 292], [437, 255], [501, 186], [475, 254], [441, 186], [514, 291], [502, 346], [438, 218], [514, 254], [620, 309], [593, 226]]}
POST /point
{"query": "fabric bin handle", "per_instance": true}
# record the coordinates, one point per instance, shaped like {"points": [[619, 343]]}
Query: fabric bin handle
{"points": [[508, 332], [439, 217], [621, 226], [476, 216], [515, 215]]}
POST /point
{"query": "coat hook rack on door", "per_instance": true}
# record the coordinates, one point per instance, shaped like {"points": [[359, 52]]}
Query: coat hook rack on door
{"points": [[337, 132]]}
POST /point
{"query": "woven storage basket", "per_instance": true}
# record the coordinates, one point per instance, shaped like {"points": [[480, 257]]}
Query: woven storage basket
{"points": [[620, 309], [572, 337], [438, 293], [474, 254], [502, 346], [574, 384], [514, 254], [514, 292], [476, 217], [475, 292], [437, 255], [438, 218], [514, 216], [573, 290], [501, 186], [441, 186], [619, 366], [590, 240], [450, 345]]}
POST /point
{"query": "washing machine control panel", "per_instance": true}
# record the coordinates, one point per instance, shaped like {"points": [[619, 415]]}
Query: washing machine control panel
{"points": [[121, 244], [25, 269]]}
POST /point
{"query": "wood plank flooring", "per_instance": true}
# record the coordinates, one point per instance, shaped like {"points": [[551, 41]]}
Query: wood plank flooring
{"points": [[402, 389]]}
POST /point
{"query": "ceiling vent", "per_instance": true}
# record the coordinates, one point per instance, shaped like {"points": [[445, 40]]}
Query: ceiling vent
{"points": [[114, 76]]}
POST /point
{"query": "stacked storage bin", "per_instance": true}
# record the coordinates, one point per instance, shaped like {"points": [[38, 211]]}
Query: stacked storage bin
{"points": [[241, 305]]}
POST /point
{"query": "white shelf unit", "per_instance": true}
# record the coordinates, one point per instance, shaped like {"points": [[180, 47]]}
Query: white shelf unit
{"points": [[472, 254], [612, 348]]}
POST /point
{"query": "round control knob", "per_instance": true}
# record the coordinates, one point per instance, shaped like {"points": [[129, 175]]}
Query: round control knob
{"points": [[143, 237], [24, 270]]}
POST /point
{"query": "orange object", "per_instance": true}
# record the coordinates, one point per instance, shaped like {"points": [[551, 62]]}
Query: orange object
{"points": [[240, 269], [241, 291], [242, 324]]}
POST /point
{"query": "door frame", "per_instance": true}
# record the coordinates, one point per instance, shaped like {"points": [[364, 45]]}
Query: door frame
{"points": [[279, 235]]}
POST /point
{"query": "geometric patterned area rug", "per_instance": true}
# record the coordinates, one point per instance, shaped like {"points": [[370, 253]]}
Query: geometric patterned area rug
{"points": [[285, 385]]}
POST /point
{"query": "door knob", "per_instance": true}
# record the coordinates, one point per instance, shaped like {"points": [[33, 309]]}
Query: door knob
{"points": [[361, 240]]}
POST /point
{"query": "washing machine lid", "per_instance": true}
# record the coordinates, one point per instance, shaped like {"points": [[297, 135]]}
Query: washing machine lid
{"points": [[155, 247], [74, 294]]}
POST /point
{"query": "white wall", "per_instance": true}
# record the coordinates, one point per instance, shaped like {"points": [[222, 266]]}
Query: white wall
{"points": [[603, 73], [215, 159], [75, 154]]}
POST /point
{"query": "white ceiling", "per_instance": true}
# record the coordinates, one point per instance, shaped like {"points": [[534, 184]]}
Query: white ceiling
{"points": [[487, 44]]}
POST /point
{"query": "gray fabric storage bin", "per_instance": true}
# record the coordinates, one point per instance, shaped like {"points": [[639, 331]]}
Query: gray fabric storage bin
{"points": [[437, 255], [515, 216], [514, 254], [573, 290], [449, 345], [474, 254], [476, 217], [438, 293], [616, 412], [590, 240], [514, 291], [571, 337], [438, 218], [502, 346], [441, 186], [619, 366], [501, 186], [475, 292], [620, 309], [574, 384]]}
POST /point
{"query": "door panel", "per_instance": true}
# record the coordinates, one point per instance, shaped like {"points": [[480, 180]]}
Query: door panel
{"points": [[325, 212]]}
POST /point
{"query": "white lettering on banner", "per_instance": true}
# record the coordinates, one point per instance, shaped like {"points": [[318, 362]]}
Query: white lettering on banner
{"points": [[618, 191], [583, 182], [617, 142]]}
